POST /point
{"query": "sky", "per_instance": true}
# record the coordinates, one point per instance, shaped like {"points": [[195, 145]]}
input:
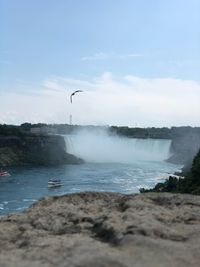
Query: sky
{"points": [[137, 61]]}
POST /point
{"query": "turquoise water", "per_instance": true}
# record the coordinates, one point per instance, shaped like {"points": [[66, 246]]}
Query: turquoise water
{"points": [[27, 185]]}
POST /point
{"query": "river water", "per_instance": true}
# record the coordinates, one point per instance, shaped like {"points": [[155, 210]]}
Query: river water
{"points": [[115, 165]]}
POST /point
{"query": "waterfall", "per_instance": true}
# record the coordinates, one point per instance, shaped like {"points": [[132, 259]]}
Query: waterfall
{"points": [[99, 147]]}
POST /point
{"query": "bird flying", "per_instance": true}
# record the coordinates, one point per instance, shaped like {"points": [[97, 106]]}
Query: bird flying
{"points": [[77, 91]]}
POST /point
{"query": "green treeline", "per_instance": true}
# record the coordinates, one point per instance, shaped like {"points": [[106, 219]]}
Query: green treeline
{"points": [[134, 132], [10, 130], [189, 184]]}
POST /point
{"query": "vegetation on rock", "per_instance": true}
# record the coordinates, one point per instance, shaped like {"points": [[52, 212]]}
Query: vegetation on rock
{"points": [[189, 184]]}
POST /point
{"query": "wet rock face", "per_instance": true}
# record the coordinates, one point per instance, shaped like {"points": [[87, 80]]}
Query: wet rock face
{"points": [[104, 230]]}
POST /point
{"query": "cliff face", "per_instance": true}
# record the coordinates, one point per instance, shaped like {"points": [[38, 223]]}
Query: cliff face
{"points": [[184, 147], [104, 230], [34, 149]]}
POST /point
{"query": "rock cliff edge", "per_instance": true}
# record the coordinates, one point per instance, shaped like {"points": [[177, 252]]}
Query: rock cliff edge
{"points": [[104, 230]]}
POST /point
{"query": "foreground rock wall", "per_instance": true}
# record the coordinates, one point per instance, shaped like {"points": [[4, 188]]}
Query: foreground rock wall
{"points": [[104, 230]]}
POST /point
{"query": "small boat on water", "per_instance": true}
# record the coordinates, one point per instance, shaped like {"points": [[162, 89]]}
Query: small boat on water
{"points": [[4, 173], [54, 183]]}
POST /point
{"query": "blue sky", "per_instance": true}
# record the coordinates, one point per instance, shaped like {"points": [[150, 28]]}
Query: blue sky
{"points": [[43, 40]]}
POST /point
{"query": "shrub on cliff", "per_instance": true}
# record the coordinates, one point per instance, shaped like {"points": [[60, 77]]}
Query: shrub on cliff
{"points": [[170, 185], [189, 184]]}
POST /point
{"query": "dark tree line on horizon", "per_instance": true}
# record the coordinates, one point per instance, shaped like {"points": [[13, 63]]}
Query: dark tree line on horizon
{"points": [[134, 132]]}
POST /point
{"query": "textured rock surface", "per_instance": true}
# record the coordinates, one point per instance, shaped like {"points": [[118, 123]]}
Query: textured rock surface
{"points": [[104, 230]]}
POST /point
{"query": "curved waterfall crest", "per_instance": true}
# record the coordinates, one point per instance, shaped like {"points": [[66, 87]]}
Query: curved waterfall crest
{"points": [[99, 146]]}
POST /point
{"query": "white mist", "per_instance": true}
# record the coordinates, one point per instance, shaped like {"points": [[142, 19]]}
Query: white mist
{"points": [[100, 147]]}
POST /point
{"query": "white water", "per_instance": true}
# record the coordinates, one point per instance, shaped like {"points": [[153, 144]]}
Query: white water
{"points": [[99, 147]]}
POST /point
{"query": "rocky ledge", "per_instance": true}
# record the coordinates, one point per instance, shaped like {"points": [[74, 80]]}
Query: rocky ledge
{"points": [[104, 230]]}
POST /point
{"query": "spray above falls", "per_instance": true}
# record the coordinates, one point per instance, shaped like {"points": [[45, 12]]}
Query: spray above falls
{"points": [[99, 146]]}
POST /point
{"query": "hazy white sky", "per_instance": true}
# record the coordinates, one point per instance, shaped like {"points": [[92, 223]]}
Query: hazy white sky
{"points": [[138, 62], [127, 100]]}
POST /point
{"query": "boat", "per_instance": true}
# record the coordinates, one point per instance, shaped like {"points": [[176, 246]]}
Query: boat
{"points": [[4, 173], [54, 183]]}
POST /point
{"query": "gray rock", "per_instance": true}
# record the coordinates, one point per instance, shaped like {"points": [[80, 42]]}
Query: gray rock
{"points": [[104, 230]]}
